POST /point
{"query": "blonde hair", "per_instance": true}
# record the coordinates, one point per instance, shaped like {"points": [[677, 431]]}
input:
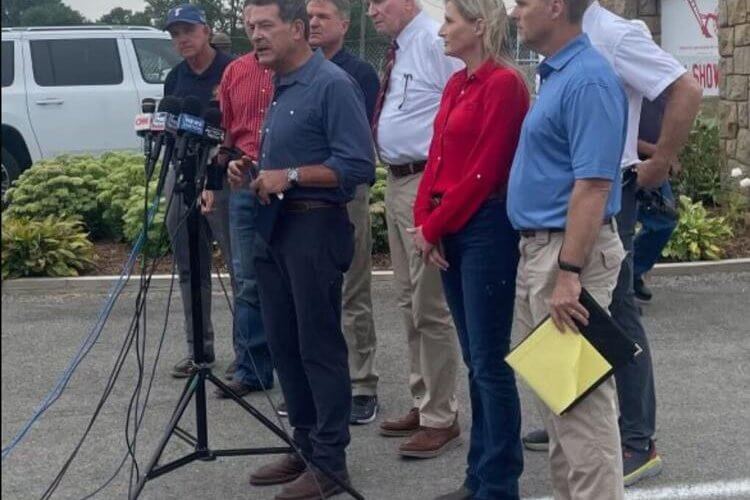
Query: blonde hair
{"points": [[496, 40]]}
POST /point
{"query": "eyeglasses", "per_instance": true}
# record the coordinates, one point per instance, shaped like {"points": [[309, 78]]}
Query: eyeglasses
{"points": [[407, 79]]}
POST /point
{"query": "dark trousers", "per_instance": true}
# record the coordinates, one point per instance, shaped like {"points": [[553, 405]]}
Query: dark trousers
{"points": [[635, 380], [300, 274], [656, 229], [254, 366], [480, 289]]}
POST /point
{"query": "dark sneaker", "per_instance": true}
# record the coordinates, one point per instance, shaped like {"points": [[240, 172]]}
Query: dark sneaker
{"points": [[642, 292], [281, 409], [238, 387], [640, 464], [186, 367], [229, 374], [364, 409], [537, 440], [463, 493]]}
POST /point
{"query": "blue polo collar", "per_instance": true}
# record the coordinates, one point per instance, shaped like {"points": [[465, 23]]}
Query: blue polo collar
{"points": [[562, 57]]}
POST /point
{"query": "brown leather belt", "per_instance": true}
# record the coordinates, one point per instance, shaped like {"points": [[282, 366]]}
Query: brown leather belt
{"points": [[307, 205], [530, 233], [412, 168]]}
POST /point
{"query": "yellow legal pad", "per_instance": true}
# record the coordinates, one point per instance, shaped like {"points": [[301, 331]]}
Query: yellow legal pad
{"points": [[559, 367]]}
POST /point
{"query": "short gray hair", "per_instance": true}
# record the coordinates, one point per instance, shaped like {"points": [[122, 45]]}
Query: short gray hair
{"points": [[344, 7]]}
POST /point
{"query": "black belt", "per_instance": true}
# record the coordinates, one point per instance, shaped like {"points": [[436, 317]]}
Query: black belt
{"points": [[437, 199], [307, 205], [412, 168], [530, 233]]}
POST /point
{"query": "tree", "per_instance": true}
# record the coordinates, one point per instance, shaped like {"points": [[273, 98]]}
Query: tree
{"points": [[39, 13], [120, 16]]}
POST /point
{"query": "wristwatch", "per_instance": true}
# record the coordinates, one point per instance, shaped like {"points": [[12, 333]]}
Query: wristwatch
{"points": [[566, 266], [292, 175]]}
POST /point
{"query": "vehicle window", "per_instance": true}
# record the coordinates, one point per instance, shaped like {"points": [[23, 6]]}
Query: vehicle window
{"points": [[156, 58], [93, 61], [8, 64]]}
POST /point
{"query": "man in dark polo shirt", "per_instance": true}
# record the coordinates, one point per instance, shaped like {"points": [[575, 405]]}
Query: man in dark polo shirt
{"points": [[197, 75], [329, 22], [315, 150]]}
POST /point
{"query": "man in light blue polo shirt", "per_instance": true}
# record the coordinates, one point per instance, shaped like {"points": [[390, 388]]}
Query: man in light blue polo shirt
{"points": [[563, 194]]}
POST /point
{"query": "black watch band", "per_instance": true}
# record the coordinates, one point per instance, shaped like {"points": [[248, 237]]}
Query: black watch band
{"points": [[565, 266]]}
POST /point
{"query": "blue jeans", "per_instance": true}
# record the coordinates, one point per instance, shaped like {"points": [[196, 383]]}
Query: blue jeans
{"points": [[656, 229], [480, 289], [254, 364]]}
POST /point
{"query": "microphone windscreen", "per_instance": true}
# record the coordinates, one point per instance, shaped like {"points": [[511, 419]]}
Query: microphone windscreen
{"points": [[191, 105], [212, 117], [170, 105], [148, 105]]}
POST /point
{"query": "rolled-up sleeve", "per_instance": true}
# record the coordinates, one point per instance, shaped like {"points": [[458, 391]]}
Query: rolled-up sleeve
{"points": [[349, 137]]}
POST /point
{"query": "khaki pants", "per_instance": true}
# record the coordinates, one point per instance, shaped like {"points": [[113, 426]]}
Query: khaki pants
{"points": [[433, 347], [358, 325], [584, 450]]}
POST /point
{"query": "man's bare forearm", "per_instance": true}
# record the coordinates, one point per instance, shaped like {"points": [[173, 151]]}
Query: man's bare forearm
{"points": [[585, 216], [682, 107]]}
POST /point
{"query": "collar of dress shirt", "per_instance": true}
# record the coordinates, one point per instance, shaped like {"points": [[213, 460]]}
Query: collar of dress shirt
{"points": [[304, 74], [482, 73], [411, 29], [592, 12]]}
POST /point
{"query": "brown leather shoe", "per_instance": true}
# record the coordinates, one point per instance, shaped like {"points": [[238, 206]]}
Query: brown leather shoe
{"points": [[403, 426], [312, 485], [238, 387], [429, 442], [288, 468]]}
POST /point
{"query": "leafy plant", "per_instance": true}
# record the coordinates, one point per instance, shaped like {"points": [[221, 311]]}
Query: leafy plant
{"points": [[65, 187], [125, 177], [700, 178], [157, 243], [45, 247], [377, 212], [698, 236]]}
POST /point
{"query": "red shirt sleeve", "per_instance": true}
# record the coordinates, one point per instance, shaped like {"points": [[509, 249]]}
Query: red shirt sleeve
{"points": [[224, 99], [505, 103], [422, 204]]}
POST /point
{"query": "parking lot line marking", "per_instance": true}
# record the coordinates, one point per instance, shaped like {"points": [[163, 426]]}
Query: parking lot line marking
{"points": [[739, 488]]}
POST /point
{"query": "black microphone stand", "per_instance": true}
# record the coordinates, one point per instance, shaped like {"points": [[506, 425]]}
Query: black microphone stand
{"points": [[190, 185]]}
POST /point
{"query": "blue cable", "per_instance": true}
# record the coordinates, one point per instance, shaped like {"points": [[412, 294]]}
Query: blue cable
{"points": [[90, 340]]}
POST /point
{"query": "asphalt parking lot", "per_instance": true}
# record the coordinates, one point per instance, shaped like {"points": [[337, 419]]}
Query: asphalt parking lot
{"points": [[699, 328]]}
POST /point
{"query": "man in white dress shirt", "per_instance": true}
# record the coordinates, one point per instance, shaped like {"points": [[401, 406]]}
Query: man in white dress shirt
{"points": [[415, 74], [646, 72]]}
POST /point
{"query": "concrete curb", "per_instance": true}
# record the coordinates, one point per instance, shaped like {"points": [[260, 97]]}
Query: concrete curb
{"points": [[102, 284]]}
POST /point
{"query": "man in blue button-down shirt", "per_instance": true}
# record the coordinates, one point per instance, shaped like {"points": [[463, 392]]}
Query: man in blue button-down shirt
{"points": [[563, 192], [316, 148]]}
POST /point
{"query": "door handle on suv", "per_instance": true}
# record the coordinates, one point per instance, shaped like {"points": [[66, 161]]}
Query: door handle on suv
{"points": [[50, 101]]}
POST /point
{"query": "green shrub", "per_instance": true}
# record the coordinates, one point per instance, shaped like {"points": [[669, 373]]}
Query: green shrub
{"points": [[700, 178], [65, 187], [44, 247], [158, 238], [124, 175], [377, 212], [698, 236]]}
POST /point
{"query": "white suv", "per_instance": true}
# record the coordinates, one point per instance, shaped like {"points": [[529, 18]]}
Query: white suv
{"points": [[76, 89]]}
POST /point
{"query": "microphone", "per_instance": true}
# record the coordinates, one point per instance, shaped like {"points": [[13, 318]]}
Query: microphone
{"points": [[143, 124], [189, 125], [213, 135], [168, 106]]}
